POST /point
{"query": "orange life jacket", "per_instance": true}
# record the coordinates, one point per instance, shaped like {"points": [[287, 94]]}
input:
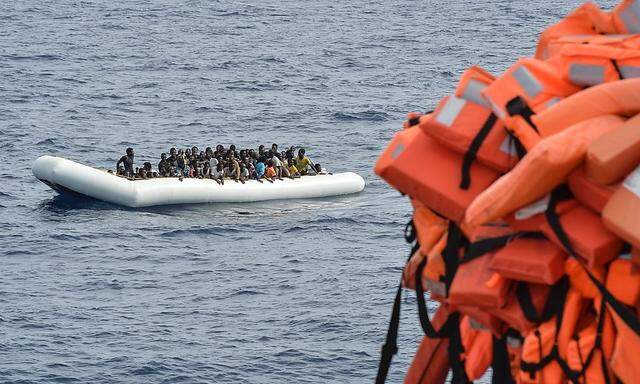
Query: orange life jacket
{"points": [[478, 345], [431, 362], [474, 284], [472, 82], [587, 19], [429, 227], [538, 344], [530, 86], [590, 193], [620, 215], [613, 98], [511, 313], [532, 216], [584, 356], [615, 154], [533, 260], [588, 236], [546, 166], [626, 17], [623, 281], [422, 169], [635, 258], [624, 360], [625, 41], [588, 64], [481, 319], [465, 124], [579, 279], [399, 143]]}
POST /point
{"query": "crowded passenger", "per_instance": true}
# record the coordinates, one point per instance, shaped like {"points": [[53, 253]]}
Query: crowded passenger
{"points": [[218, 163], [127, 164]]}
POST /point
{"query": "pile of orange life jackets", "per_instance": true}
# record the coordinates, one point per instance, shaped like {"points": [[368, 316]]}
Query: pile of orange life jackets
{"points": [[526, 223]]}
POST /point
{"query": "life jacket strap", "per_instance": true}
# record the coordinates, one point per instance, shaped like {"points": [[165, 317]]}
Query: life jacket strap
{"points": [[390, 346], [472, 152], [500, 364], [519, 107], [629, 318]]}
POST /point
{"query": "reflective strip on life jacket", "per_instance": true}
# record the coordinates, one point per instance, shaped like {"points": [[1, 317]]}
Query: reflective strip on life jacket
{"points": [[470, 129], [626, 16], [586, 75]]}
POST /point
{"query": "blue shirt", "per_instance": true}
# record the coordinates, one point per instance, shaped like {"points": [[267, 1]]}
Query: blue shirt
{"points": [[260, 169]]}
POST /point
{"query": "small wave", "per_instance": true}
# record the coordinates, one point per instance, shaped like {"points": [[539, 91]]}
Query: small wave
{"points": [[369, 115], [49, 141]]}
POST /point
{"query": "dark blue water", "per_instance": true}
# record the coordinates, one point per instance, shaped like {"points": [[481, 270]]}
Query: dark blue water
{"points": [[276, 292]]}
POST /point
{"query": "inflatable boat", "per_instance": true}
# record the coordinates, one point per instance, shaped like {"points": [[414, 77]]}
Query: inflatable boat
{"points": [[66, 176]]}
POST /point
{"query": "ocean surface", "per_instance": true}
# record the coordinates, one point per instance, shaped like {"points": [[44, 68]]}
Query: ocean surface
{"points": [[275, 292]]}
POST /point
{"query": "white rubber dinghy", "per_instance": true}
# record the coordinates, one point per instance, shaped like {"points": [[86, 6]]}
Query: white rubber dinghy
{"points": [[68, 176]]}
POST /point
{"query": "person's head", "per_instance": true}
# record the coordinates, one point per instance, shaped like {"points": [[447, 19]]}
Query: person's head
{"points": [[194, 150], [147, 166], [274, 147], [260, 148], [301, 153], [172, 152], [187, 152], [270, 163], [232, 147], [219, 148], [289, 161], [180, 152], [317, 167], [163, 156], [129, 151], [208, 150]]}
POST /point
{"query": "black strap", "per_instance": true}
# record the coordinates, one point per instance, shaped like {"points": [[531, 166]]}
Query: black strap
{"points": [[414, 121], [390, 346], [410, 232], [484, 246], [500, 364], [554, 300], [423, 313], [472, 151], [629, 318], [518, 106], [456, 349], [617, 68], [450, 254]]}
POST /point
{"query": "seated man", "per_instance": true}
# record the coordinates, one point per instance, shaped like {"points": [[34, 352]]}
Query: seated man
{"points": [[270, 173], [164, 169], [320, 171], [217, 174], [293, 171], [127, 162], [303, 162], [244, 173]]}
